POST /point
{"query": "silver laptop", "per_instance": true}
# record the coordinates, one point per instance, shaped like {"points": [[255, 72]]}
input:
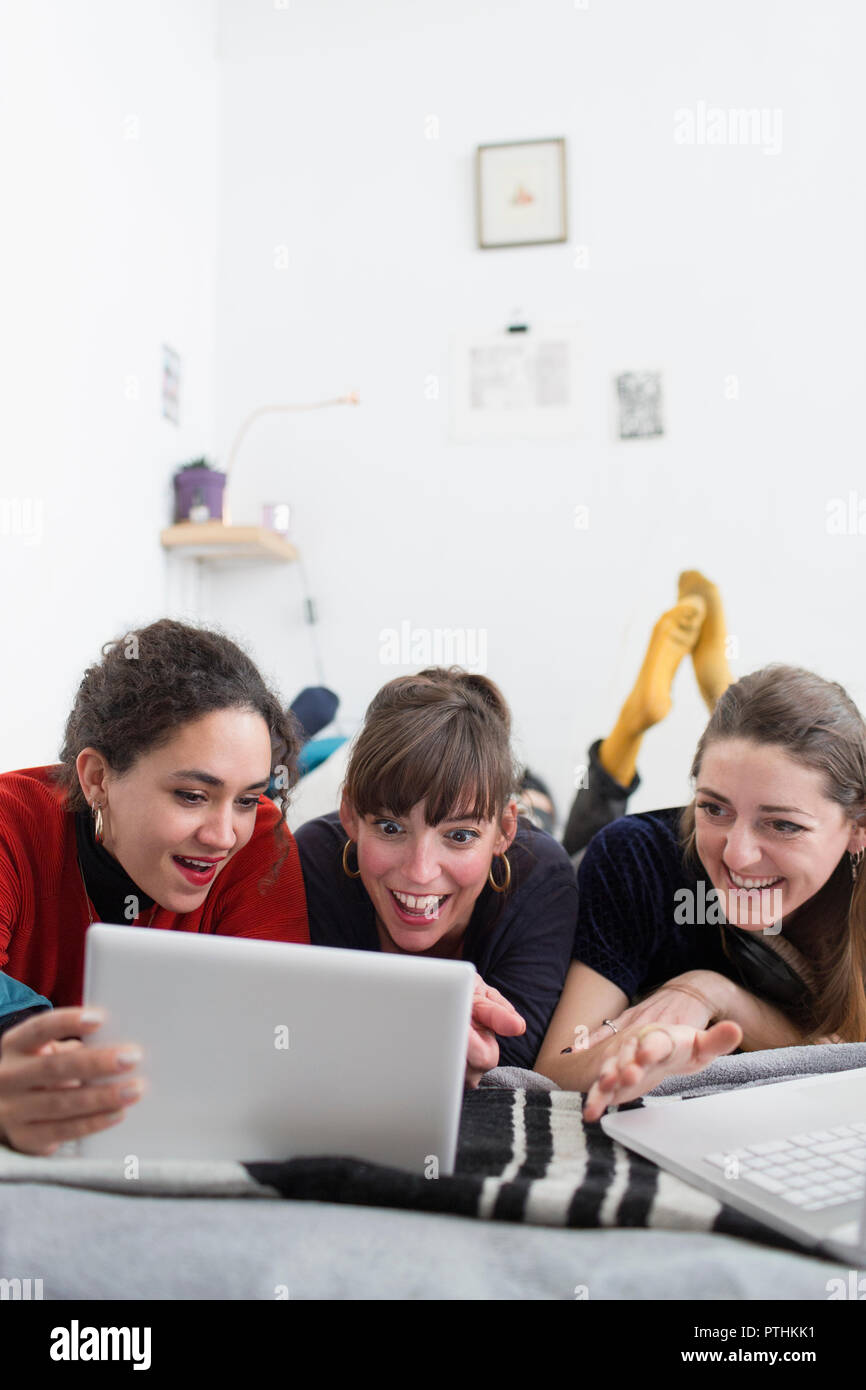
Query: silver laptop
{"points": [[791, 1154], [258, 1050]]}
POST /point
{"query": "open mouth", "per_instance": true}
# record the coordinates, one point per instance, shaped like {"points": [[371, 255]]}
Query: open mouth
{"points": [[197, 871], [740, 883], [412, 907]]}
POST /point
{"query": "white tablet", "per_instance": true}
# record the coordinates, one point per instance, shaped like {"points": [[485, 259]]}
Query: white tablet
{"points": [[257, 1050]]}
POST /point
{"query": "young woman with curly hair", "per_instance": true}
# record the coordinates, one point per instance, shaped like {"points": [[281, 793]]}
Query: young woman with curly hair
{"points": [[155, 816]]}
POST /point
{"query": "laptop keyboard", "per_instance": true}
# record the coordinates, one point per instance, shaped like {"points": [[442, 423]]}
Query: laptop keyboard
{"points": [[825, 1168]]}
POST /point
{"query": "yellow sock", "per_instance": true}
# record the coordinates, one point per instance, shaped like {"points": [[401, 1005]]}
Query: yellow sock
{"points": [[673, 637], [709, 656]]}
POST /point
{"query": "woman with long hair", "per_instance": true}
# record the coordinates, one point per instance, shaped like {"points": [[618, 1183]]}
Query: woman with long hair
{"points": [[155, 816], [737, 920]]}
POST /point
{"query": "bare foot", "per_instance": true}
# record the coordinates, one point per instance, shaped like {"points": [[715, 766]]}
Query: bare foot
{"points": [[709, 657]]}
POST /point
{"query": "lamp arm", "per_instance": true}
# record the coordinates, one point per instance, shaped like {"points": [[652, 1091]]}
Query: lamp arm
{"points": [[353, 398]]}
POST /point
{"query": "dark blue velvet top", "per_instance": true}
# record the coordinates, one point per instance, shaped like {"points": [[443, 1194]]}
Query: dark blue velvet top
{"points": [[647, 914]]}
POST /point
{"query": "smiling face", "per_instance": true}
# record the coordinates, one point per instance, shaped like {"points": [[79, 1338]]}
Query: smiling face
{"points": [[182, 811], [767, 833], [424, 880]]}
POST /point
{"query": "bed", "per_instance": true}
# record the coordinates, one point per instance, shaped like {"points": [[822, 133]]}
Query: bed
{"points": [[541, 1206]]}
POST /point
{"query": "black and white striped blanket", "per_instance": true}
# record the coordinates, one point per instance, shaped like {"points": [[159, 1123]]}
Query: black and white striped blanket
{"points": [[524, 1155]]}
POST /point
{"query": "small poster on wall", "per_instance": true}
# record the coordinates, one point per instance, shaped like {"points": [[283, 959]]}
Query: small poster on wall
{"points": [[639, 405], [518, 385], [170, 384]]}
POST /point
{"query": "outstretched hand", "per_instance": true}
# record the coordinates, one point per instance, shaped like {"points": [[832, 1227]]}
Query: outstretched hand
{"points": [[640, 1057]]}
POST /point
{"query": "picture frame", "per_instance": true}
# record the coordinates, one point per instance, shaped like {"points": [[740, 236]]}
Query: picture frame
{"points": [[521, 193]]}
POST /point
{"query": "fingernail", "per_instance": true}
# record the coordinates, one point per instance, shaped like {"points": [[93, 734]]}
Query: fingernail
{"points": [[128, 1056], [132, 1091], [91, 1015]]}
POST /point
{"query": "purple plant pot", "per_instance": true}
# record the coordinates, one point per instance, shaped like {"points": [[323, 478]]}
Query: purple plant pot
{"points": [[197, 487]]}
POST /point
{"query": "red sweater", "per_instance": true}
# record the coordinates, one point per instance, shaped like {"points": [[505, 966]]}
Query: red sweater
{"points": [[45, 912]]}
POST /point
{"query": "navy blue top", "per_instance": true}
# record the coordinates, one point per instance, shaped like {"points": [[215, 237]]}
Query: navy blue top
{"points": [[520, 942], [643, 916]]}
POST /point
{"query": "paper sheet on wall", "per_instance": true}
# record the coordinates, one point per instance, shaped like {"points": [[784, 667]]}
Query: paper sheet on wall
{"points": [[518, 385]]}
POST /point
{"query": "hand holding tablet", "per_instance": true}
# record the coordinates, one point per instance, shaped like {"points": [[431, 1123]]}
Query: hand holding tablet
{"points": [[53, 1089]]}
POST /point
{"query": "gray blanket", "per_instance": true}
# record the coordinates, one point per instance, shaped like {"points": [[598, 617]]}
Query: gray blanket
{"points": [[525, 1155], [726, 1073], [84, 1235]]}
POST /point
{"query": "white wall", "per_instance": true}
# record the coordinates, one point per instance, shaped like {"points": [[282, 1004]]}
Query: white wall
{"points": [[110, 120], [707, 261], [305, 129]]}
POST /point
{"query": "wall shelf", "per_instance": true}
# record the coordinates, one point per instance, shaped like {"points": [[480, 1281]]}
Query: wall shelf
{"points": [[212, 540]]}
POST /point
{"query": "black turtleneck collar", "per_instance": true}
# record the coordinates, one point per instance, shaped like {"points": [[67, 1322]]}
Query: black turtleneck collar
{"points": [[108, 885]]}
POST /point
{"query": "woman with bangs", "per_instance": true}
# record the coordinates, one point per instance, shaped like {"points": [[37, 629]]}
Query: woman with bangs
{"points": [[427, 856], [739, 920]]}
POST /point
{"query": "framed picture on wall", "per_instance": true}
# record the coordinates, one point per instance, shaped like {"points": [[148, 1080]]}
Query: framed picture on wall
{"points": [[520, 191]]}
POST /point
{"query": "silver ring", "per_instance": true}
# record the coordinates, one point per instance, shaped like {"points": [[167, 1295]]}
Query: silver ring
{"points": [[607, 1023]]}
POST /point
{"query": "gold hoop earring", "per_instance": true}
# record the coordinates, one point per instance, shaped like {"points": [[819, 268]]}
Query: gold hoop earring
{"points": [[855, 860], [500, 887], [346, 870], [98, 828]]}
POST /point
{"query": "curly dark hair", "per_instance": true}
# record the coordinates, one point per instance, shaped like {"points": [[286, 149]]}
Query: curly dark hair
{"points": [[157, 678]]}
